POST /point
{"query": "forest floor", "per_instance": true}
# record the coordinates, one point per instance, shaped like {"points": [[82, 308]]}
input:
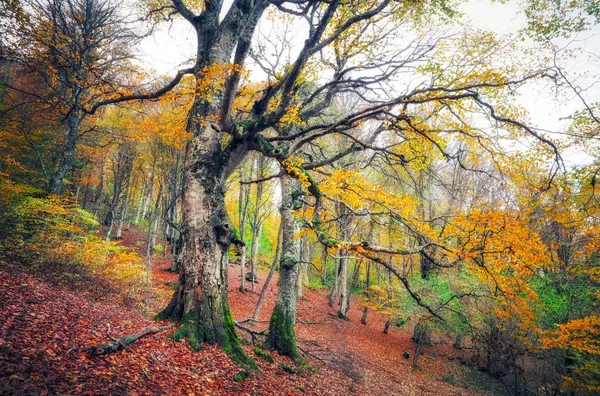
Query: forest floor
{"points": [[44, 326]]}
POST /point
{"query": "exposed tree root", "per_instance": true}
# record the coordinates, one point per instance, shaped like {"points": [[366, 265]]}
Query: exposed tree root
{"points": [[253, 333], [122, 343]]}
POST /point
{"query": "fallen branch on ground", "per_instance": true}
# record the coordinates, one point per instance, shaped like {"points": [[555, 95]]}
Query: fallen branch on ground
{"points": [[123, 342]]}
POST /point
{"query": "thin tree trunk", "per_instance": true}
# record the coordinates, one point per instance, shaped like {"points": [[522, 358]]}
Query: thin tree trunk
{"points": [[265, 287], [333, 294], [282, 328], [363, 320], [123, 211], [256, 222], [100, 188], [386, 328], [140, 204], [324, 269], [243, 211], [343, 276]]}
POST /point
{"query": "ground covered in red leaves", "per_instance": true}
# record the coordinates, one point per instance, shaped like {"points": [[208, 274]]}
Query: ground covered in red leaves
{"points": [[44, 327]]}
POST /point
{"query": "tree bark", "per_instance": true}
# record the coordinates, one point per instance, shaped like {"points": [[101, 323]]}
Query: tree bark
{"points": [[200, 302], [265, 287], [55, 185], [343, 270], [282, 328], [256, 221], [243, 211]]}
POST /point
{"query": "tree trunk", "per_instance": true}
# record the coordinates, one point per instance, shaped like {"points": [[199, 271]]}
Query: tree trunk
{"points": [[386, 328], [254, 253], [200, 302], [256, 221], [243, 211], [343, 275], [265, 287], [55, 184], [282, 328], [324, 269], [363, 319], [305, 259], [333, 294], [123, 210]]}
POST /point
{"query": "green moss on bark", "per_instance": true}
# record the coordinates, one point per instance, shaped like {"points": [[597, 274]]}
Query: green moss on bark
{"points": [[189, 329], [282, 333], [231, 343], [264, 355]]}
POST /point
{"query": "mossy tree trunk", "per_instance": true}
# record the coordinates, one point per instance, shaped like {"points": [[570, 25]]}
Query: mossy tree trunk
{"points": [[200, 302], [282, 328]]}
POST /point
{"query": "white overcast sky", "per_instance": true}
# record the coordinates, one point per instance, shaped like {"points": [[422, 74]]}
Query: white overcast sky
{"points": [[173, 45]]}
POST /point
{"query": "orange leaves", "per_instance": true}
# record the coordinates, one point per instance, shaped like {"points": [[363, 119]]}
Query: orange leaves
{"points": [[293, 165], [503, 252], [580, 334], [358, 192], [211, 80], [581, 338]]}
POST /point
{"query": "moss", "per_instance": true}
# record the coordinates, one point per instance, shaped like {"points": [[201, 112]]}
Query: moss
{"points": [[231, 344], [287, 262], [187, 329], [264, 355], [240, 376], [305, 367], [266, 146], [282, 334], [128, 339], [287, 368], [323, 237]]}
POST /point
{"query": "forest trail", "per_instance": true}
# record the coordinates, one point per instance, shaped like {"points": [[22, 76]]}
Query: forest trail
{"points": [[44, 326]]}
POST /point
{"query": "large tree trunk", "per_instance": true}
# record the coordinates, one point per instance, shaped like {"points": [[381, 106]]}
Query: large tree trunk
{"points": [[200, 302], [282, 329]]}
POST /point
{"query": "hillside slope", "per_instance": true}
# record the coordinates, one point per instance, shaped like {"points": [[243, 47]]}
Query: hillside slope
{"points": [[43, 328]]}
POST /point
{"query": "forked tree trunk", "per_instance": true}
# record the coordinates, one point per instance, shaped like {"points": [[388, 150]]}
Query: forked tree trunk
{"points": [[200, 302], [282, 328]]}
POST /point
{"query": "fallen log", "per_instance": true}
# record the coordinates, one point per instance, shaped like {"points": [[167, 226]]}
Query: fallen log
{"points": [[122, 343]]}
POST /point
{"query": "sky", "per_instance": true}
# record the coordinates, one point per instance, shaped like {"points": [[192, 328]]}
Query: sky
{"points": [[173, 45]]}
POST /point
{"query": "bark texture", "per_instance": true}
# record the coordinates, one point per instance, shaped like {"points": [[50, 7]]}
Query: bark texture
{"points": [[200, 302], [282, 328]]}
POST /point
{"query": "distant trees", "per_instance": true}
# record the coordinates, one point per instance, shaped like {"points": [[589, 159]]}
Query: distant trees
{"points": [[70, 55]]}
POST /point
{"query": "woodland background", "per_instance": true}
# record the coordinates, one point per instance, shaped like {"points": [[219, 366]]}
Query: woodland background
{"points": [[371, 161]]}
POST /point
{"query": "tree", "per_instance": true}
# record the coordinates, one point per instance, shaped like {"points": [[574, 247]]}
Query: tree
{"points": [[77, 52], [284, 120]]}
